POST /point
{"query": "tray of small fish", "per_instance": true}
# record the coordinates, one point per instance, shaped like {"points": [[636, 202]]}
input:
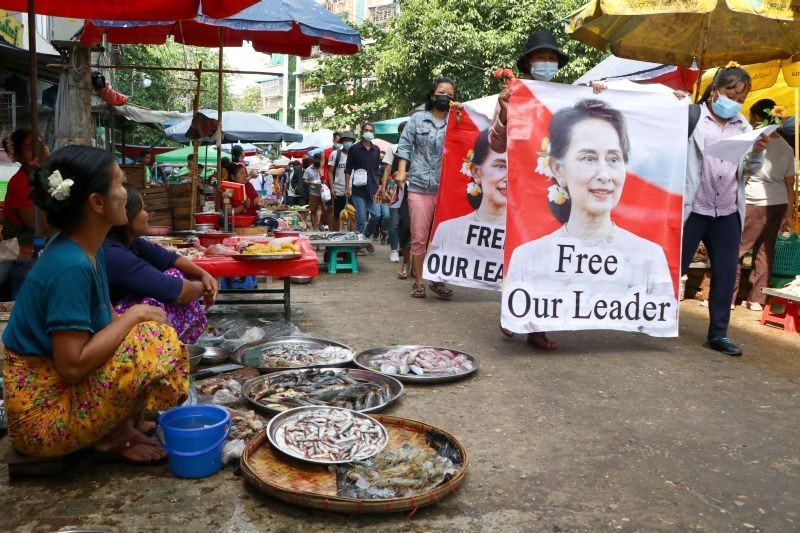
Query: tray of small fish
{"points": [[285, 353], [418, 364], [360, 390], [327, 435], [420, 466]]}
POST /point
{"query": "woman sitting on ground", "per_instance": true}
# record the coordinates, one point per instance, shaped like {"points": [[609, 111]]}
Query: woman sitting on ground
{"points": [[142, 272], [77, 374]]}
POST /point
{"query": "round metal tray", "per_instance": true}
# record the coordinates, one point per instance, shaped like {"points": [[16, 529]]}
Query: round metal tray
{"points": [[268, 257], [282, 419], [362, 359], [395, 387], [240, 356]]}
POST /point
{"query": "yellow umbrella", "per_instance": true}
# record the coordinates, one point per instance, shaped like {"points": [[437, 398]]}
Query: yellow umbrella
{"points": [[678, 32], [778, 81]]}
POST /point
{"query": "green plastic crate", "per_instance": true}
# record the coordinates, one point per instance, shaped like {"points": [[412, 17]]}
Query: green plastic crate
{"points": [[3, 188], [786, 261]]}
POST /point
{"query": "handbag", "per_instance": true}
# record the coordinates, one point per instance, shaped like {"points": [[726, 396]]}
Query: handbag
{"points": [[359, 177], [325, 193]]}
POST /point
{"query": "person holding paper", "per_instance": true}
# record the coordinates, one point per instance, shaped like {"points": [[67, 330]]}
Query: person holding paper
{"points": [[714, 197], [767, 194]]}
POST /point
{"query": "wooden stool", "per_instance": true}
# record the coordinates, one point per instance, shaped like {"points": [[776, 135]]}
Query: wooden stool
{"points": [[788, 318], [20, 466], [348, 263]]}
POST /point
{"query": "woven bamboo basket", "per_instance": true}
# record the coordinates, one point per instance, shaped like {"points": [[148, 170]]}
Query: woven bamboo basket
{"points": [[309, 485]]}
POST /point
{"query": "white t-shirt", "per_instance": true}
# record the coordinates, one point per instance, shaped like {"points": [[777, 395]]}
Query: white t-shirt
{"points": [[388, 158], [263, 181], [768, 185], [338, 178]]}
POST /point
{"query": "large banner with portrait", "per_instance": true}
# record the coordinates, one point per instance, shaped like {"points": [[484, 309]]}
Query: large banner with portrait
{"points": [[468, 233], [595, 209]]}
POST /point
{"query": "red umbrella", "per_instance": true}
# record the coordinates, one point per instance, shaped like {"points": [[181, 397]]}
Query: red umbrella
{"points": [[135, 10]]}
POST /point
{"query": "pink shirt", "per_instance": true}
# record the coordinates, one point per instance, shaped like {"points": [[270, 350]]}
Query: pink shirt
{"points": [[719, 185]]}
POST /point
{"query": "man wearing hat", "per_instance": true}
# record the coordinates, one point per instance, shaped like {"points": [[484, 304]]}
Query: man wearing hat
{"points": [[540, 60]]}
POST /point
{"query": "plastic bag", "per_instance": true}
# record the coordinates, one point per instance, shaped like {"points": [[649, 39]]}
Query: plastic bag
{"points": [[9, 250], [240, 331], [325, 193], [233, 451], [231, 394]]}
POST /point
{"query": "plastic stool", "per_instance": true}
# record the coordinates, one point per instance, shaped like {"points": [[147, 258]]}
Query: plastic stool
{"points": [[247, 283], [349, 262], [788, 318]]}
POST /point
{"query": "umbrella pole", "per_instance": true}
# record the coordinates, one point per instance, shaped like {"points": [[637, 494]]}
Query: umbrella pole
{"points": [[195, 144], [794, 200], [219, 111]]}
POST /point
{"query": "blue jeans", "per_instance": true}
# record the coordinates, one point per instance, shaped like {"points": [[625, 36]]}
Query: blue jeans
{"points": [[378, 213], [364, 208]]}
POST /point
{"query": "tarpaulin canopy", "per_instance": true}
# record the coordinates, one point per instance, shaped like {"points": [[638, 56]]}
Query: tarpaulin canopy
{"points": [[207, 155], [676, 33], [618, 68], [318, 139], [137, 10], [273, 26], [239, 126]]}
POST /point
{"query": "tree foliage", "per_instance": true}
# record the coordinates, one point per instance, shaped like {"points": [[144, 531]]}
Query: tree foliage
{"points": [[249, 101], [462, 39]]}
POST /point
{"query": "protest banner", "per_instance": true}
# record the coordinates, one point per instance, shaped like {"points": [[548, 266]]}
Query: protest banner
{"points": [[595, 196], [468, 231]]}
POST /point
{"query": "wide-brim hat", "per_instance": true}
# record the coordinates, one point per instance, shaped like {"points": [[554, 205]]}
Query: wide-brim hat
{"points": [[539, 40]]}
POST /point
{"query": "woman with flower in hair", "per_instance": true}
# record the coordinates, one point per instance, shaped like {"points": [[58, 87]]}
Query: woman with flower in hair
{"points": [[588, 154], [18, 206], [76, 374]]}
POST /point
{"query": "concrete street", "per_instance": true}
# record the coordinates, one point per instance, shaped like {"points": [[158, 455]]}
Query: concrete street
{"points": [[612, 431]]}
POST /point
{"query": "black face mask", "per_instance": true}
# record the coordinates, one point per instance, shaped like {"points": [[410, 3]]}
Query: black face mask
{"points": [[442, 102]]}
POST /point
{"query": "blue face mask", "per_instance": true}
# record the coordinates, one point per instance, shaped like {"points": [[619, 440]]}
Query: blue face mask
{"points": [[337, 146], [346, 145], [724, 107], [368, 136], [544, 70]]}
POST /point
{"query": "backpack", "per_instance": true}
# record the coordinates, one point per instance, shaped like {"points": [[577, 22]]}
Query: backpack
{"points": [[336, 165], [694, 117]]}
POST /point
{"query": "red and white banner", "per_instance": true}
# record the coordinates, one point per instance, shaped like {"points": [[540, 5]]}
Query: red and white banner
{"points": [[468, 234], [595, 194]]}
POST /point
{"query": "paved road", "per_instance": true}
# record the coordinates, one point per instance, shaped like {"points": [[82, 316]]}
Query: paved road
{"points": [[611, 432]]}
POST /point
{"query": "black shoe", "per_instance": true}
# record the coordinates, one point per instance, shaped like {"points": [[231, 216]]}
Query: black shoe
{"points": [[724, 345]]}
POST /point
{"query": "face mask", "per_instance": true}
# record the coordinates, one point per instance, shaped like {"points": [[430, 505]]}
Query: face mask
{"points": [[442, 102], [724, 107], [544, 70], [368, 136], [337, 146], [347, 145]]}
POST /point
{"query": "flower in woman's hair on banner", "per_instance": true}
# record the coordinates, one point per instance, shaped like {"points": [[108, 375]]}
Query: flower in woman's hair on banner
{"points": [[58, 186], [557, 194], [733, 64], [466, 165], [543, 161]]}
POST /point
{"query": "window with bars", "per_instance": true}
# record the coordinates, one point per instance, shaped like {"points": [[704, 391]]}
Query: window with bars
{"points": [[308, 120], [271, 88]]}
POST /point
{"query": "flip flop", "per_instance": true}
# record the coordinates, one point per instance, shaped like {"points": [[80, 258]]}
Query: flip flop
{"points": [[418, 291], [440, 290], [116, 454], [540, 341], [402, 275]]}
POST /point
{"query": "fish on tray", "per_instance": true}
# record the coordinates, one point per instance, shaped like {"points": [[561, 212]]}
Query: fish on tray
{"points": [[331, 435], [421, 361], [395, 474], [302, 354], [335, 388]]}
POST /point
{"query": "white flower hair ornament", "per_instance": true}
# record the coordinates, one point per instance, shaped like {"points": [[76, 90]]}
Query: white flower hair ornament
{"points": [[59, 188], [543, 160]]}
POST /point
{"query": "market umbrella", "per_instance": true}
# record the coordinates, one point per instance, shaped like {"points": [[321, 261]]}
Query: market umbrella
{"points": [[318, 139], [238, 126], [712, 32], [207, 156], [618, 68]]}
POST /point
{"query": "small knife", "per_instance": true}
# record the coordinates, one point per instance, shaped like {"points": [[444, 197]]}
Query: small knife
{"points": [[214, 370]]}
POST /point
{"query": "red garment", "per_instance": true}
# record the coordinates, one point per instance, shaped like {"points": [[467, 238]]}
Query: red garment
{"points": [[250, 192], [18, 194], [326, 156]]}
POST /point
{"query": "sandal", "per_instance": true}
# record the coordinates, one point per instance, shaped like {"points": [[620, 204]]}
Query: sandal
{"points": [[506, 332], [402, 275], [418, 291], [116, 454], [440, 289], [541, 341]]}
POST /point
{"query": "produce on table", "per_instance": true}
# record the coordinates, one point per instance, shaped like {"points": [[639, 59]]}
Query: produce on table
{"points": [[348, 213], [331, 435], [300, 354], [335, 388], [421, 361], [283, 248]]}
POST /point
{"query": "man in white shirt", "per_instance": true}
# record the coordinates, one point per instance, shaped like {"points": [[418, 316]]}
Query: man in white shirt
{"points": [[768, 209], [336, 165]]}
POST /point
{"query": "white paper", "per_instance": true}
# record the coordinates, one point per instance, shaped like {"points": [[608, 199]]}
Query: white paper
{"points": [[733, 148]]}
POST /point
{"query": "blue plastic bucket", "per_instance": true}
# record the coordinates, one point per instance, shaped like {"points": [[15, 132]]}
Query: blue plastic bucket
{"points": [[194, 436]]}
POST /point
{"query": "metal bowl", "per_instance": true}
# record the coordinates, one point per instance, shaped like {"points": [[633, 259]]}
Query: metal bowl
{"points": [[275, 425], [243, 354], [362, 359], [209, 355], [195, 355], [395, 387], [301, 280]]}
